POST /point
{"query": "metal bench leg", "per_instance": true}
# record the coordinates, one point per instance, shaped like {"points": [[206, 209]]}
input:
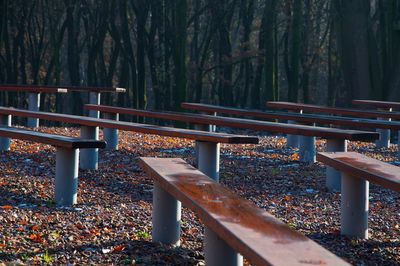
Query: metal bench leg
{"points": [[333, 178], [217, 252], [208, 159], [94, 98], [5, 120], [384, 139], [354, 207], [307, 149], [166, 217], [201, 127], [111, 134], [89, 157], [66, 182], [33, 105], [292, 141]]}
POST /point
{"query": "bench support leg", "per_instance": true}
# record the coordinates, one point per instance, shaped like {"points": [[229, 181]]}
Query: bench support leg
{"points": [[111, 134], [201, 127], [217, 252], [66, 182], [166, 217], [5, 120], [292, 141], [94, 98], [307, 149], [333, 178], [354, 207], [33, 105], [89, 157], [208, 158]]}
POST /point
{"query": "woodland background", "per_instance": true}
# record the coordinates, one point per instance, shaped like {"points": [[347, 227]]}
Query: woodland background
{"points": [[229, 52]]}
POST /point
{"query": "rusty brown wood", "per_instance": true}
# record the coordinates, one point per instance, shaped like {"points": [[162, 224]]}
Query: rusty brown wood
{"points": [[33, 89], [377, 104], [257, 235], [54, 89], [247, 123], [333, 110], [307, 118], [141, 128], [51, 139], [361, 166]]}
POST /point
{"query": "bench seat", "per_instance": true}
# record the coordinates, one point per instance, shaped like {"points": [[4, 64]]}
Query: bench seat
{"points": [[357, 171], [67, 158], [232, 223], [208, 143]]}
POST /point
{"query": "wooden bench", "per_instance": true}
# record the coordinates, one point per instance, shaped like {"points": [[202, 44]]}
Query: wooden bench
{"points": [[234, 226], [357, 171], [336, 138], [67, 158], [35, 91], [382, 142], [383, 126], [381, 106], [208, 142]]}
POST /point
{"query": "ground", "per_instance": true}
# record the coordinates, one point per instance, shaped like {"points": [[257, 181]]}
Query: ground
{"points": [[111, 224]]}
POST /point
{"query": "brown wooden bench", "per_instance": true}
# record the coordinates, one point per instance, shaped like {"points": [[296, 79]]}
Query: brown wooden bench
{"points": [[384, 140], [383, 126], [381, 106], [234, 226], [357, 171], [67, 158], [384, 105], [208, 142], [336, 138], [35, 91]]}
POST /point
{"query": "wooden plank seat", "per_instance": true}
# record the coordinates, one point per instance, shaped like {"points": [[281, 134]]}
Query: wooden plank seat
{"points": [[384, 105], [208, 142], [381, 106], [383, 127], [234, 226], [336, 138], [67, 158], [357, 171], [35, 91], [384, 140]]}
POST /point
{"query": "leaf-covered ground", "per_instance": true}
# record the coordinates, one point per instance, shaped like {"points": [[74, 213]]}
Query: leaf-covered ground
{"points": [[111, 224]]}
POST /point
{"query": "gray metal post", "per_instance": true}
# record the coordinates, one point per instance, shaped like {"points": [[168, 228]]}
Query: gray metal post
{"points": [[166, 217], [354, 207], [33, 105], [66, 182], [5, 121], [89, 157], [384, 134], [111, 134], [307, 149], [333, 177], [94, 98], [217, 252], [201, 127], [292, 141], [208, 159]]}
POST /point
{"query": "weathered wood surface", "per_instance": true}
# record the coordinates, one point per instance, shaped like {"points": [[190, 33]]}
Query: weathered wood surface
{"points": [[249, 124], [53, 89], [377, 104], [257, 235], [333, 110], [361, 166], [305, 118], [140, 128], [51, 139]]}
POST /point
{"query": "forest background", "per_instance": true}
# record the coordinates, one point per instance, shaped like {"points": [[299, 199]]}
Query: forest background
{"points": [[228, 52]]}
